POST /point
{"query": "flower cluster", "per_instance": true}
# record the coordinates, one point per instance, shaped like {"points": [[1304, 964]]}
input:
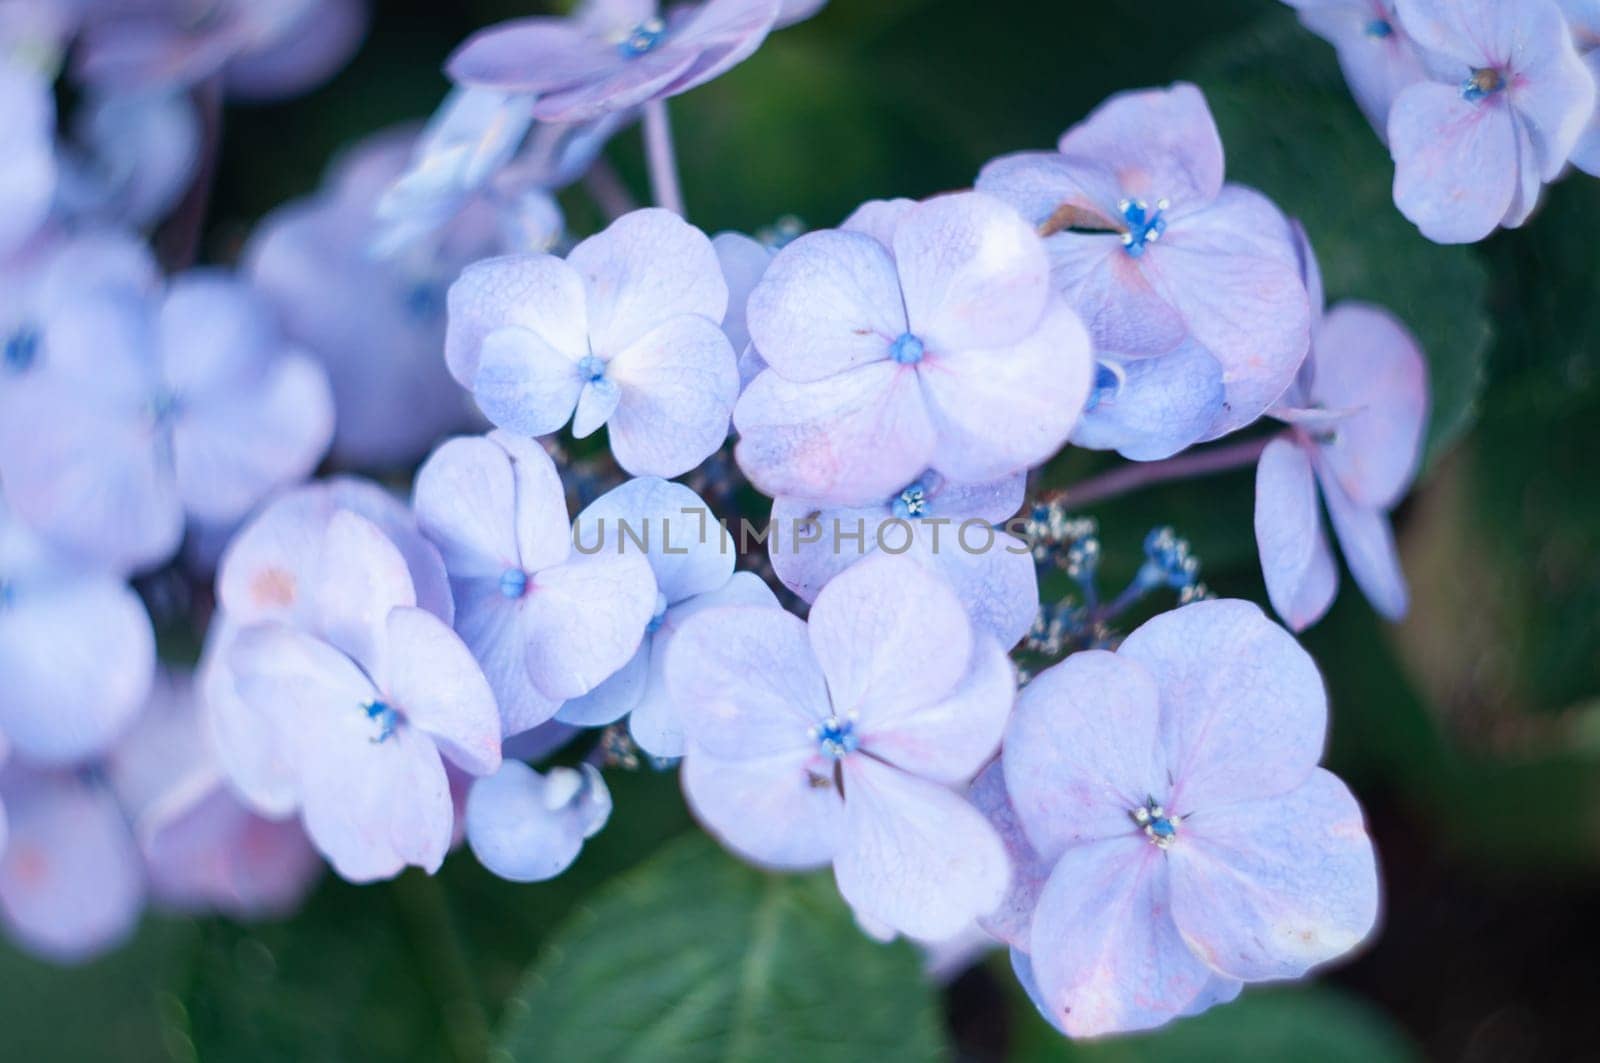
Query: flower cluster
{"points": [[1482, 102], [1143, 822]]}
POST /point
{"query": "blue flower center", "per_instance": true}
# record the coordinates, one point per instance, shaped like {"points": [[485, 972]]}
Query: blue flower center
{"points": [[659, 615], [1107, 382], [912, 502], [1167, 561], [836, 738], [513, 583], [1145, 226], [383, 714], [1484, 82], [423, 301], [907, 349], [164, 408], [592, 369], [8, 593], [21, 348], [642, 38], [1380, 28], [1160, 827]]}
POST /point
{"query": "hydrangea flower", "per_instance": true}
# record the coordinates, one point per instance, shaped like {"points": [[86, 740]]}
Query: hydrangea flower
{"points": [[836, 742], [1161, 257], [370, 711], [744, 262], [624, 333], [1508, 101], [1378, 58], [76, 649], [1583, 17], [137, 153], [692, 558], [376, 324], [946, 350], [546, 621], [27, 139], [613, 54], [529, 827], [1356, 417], [148, 411], [950, 527], [270, 573], [1172, 789]]}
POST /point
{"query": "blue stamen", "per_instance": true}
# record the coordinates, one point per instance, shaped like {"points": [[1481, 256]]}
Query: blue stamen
{"points": [[907, 349], [1158, 826], [513, 583], [642, 38], [21, 348], [1107, 382], [384, 714], [1484, 82], [912, 502], [1167, 562], [659, 615], [836, 737], [1144, 225], [591, 369], [1380, 28], [164, 408]]}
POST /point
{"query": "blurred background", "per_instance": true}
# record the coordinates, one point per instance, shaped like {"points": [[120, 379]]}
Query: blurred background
{"points": [[1471, 732]]}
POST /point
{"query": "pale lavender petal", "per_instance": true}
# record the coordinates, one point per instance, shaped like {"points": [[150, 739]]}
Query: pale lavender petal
{"points": [[991, 571], [1269, 889], [1048, 189], [257, 758], [540, 293], [28, 180], [671, 526], [496, 630], [1163, 144], [768, 808], [1110, 291], [1296, 560], [1455, 162], [726, 32], [525, 385], [679, 383], [215, 335], [528, 827], [1012, 920], [628, 84], [1157, 407], [949, 740], [879, 219], [531, 55], [362, 576], [642, 271], [466, 503], [812, 544], [303, 54], [440, 689], [1367, 542], [1243, 711], [744, 262], [616, 695], [584, 619]]}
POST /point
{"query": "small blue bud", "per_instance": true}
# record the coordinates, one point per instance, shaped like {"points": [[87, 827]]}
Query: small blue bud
{"points": [[513, 583], [907, 349], [642, 38]]}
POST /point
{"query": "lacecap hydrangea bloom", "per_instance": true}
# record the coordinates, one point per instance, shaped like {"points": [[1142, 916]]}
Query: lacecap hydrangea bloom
{"points": [[1167, 807]]}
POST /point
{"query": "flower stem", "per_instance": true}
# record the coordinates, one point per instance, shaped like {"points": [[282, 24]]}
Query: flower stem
{"points": [[1127, 478], [662, 159]]}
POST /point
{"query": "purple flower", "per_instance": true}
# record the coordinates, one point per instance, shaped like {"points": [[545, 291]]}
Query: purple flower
{"points": [[1583, 17], [1164, 260], [1172, 789], [369, 712], [27, 139], [1356, 419], [692, 558], [270, 573], [1378, 59], [529, 827], [836, 742], [614, 54], [147, 411], [1508, 101], [139, 153], [377, 325], [944, 349], [624, 333], [546, 621], [949, 527], [76, 649]]}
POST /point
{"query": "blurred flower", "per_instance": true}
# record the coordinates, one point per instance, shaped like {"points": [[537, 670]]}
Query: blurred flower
{"points": [[836, 742], [1194, 844], [27, 141], [546, 621], [624, 333], [1583, 17], [946, 350], [136, 154], [1377, 57], [1507, 104], [529, 827]]}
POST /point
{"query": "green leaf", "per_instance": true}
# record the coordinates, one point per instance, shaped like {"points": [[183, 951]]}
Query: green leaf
{"points": [[1291, 129], [694, 956]]}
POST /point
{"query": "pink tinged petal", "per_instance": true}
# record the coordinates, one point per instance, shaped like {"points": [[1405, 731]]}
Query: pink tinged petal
{"points": [[584, 619], [746, 682], [232, 451], [949, 740], [1455, 162], [892, 639], [1369, 362], [78, 657], [439, 688], [531, 55], [655, 721], [71, 884], [528, 827], [1367, 542], [1012, 920], [1162, 143], [525, 385], [642, 271], [361, 578], [539, 293], [1243, 712], [1157, 407], [209, 852], [879, 219], [1082, 750], [914, 855], [774, 808], [974, 273], [829, 302], [616, 695], [1110, 291], [1047, 189], [1296, 560], [1106, 954], [992, 573], [1002, 410], [669, 525], [853, 439], [1270, 889], [679, 383]]}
